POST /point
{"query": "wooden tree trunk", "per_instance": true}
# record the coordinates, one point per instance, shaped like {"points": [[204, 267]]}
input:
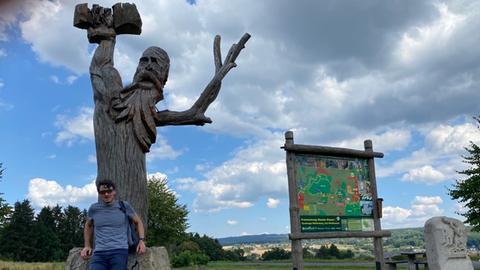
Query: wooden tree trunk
{"points": [[125, 119], [119, 155], [120, 159]]}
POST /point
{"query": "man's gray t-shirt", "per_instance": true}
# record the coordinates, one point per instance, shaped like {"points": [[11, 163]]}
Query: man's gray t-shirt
{"points": [[110, 225]]}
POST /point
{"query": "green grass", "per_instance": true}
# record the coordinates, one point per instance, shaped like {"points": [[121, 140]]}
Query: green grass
{"points": [[31, 266], [267, 266], [278, 265]]}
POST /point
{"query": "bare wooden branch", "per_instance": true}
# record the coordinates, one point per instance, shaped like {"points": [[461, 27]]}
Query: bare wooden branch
{"points": [[217, 53], [195, 115], [239, 46], [188, 117]]}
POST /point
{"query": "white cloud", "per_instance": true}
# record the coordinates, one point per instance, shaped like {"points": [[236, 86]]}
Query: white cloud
{"points": [[273, 203], [69, 80], [77, 128], [425, 174], [395, 139], [43, 192], [395, 214], [51, 46], [3, 52], [254, 171], [162, 150], [157, 175], [426, 206], [440, 157], [421, 209], [185, 183], [356, 85], [52, 156], [232, 222], [426, 200], [418, 44], [80, 128], [162, 176], [448, 140]]}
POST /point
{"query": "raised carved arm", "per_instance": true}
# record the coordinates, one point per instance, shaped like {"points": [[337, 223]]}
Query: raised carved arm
{"points": [[98, 21], [196, 114]]}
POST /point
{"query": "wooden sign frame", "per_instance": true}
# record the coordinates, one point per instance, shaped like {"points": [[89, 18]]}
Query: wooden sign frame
{"points": [[296, 235]]}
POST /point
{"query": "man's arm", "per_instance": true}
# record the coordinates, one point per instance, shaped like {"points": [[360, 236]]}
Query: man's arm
{"points": [[141, 234], [196, 114], [87, 238]]}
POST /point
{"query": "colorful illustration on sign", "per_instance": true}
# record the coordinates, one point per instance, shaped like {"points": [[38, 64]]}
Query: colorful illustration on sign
{"points": [[333, 194]]}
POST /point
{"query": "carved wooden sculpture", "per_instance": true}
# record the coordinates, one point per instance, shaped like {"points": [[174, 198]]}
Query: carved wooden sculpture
{"points": [[125, 118]]}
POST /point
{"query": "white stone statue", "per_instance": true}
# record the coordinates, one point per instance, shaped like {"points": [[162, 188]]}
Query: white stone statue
{"points": [[446, 244]]}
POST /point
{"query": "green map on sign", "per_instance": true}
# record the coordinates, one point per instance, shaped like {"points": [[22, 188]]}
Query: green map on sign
{"points": [[333, 193]]}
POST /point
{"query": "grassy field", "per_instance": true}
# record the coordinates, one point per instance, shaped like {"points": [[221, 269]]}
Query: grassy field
{"points": [[267, 266], [210, 266], [31, 266]]}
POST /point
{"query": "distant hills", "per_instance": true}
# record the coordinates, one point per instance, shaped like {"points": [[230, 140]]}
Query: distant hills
{"points": [[400, 239], [253, 239]]}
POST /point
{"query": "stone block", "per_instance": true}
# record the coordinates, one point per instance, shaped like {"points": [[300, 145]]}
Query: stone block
{"points": [[446, 244], [155, 258]]}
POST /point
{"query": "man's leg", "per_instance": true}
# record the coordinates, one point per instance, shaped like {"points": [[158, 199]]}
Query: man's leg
{"points": [[119, 259], [99, 261]]}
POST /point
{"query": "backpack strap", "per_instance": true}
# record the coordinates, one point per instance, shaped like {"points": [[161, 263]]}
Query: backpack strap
{"points": [[122, 207]]}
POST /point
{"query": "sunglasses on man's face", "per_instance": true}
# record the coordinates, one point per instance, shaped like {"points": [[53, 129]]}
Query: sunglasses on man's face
{"points": [[103, 192]]}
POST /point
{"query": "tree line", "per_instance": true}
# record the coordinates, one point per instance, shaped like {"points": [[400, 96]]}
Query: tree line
{"points": [[324, 252], [50, 235]]}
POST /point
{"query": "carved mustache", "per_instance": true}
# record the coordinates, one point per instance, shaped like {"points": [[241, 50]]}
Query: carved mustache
{"points": [[150, 76]]}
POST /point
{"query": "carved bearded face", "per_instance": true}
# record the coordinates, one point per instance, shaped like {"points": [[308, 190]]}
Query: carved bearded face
{"points": [[152, 70]]}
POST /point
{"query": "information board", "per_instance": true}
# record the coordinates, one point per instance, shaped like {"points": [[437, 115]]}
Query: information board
{"points": [[334, 194]]}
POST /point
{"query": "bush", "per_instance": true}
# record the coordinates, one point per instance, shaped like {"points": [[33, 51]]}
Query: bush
{"points": [[187, 258], [276, 254], [235, 255], [333, 252]]}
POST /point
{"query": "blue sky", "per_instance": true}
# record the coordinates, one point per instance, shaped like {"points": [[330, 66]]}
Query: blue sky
{"points": [[402, 73]]}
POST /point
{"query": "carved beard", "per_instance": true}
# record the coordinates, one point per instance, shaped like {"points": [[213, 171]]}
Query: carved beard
{"points": [[149, 79], [137, 105]]}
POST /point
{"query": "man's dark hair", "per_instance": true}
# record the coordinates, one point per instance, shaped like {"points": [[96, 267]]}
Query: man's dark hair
{"points": [[105, 182]]}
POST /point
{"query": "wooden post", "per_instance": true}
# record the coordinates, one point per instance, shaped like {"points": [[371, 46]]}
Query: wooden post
{"points": [[297, 251], [377, 241]]}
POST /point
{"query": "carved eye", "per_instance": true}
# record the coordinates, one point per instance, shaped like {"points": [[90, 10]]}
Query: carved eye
{"points": [[153, 60], [144, 60]]}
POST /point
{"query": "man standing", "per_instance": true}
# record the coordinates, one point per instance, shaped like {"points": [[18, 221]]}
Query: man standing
{"points": [[110, 225]]}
